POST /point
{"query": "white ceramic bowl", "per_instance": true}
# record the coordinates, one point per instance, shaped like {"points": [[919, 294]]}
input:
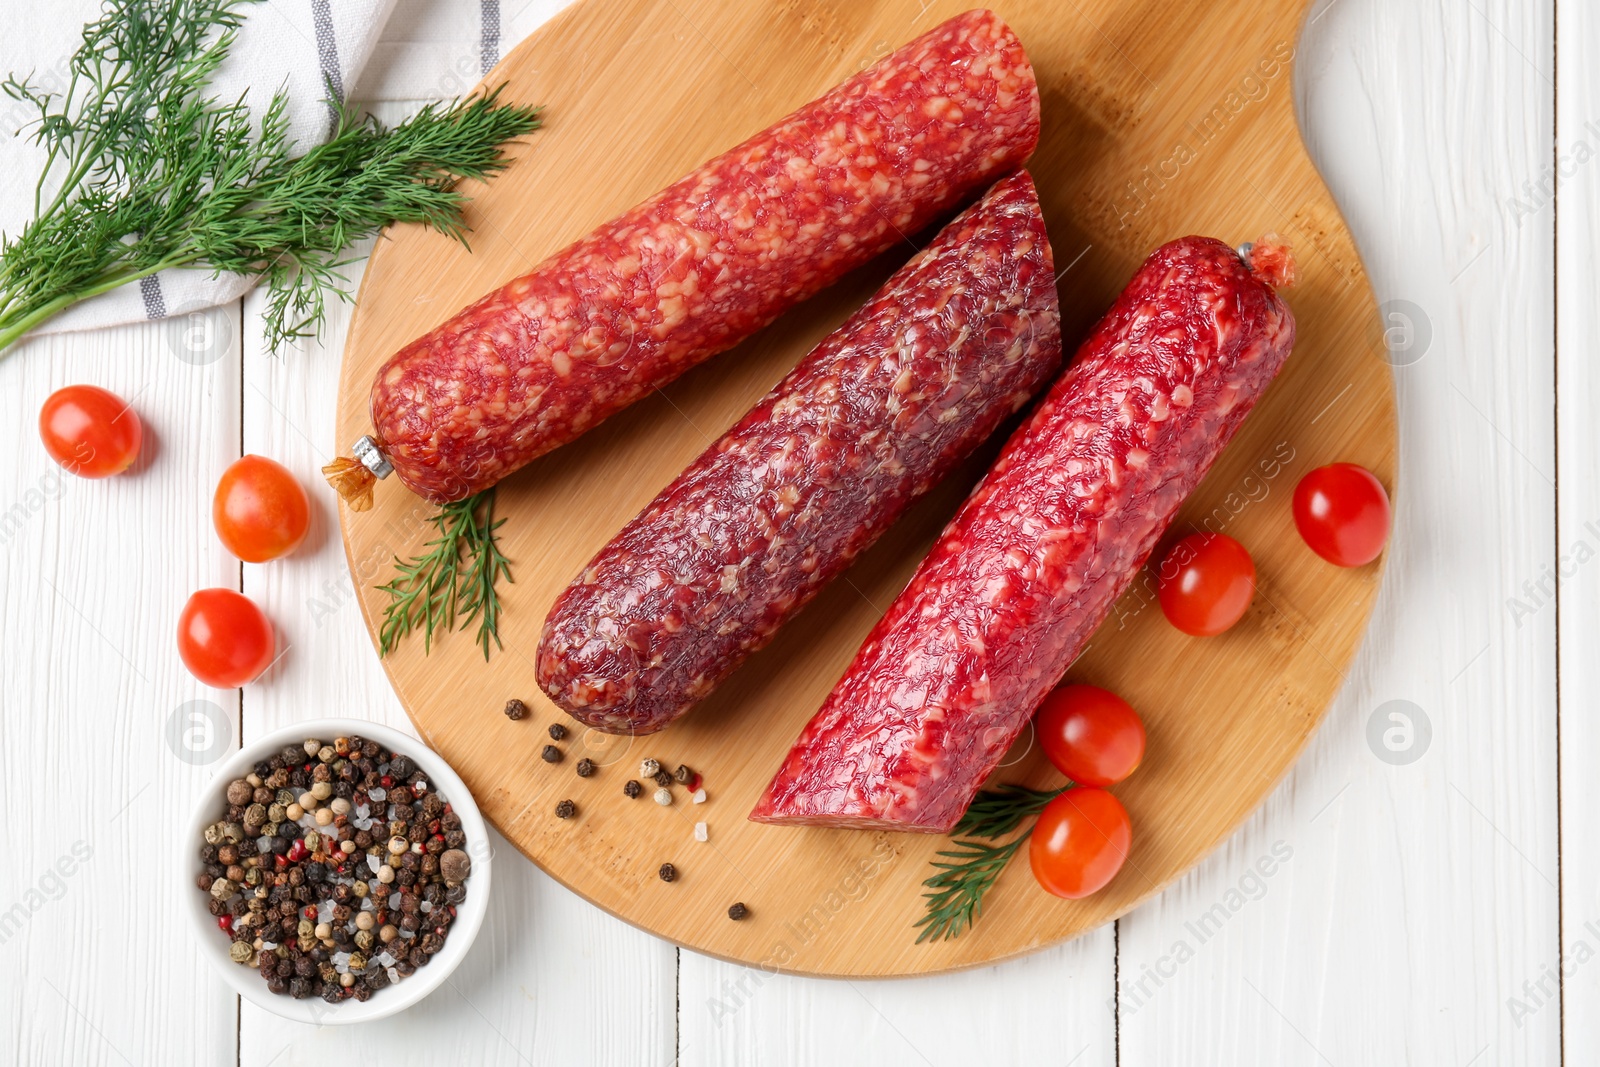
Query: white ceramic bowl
{"points": [[246, 981]]}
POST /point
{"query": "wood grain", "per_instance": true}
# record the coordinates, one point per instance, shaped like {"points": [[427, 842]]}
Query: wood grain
{"points": [[1226, 717]]}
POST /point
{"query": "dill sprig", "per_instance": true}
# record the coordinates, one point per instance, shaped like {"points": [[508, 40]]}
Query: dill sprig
{"points": [[996, 812], [454, 581], [970, 869], [145, 171]]}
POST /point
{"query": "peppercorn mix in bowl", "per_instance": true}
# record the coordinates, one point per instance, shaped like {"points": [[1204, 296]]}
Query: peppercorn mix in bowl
{"points": [[338, 871]]}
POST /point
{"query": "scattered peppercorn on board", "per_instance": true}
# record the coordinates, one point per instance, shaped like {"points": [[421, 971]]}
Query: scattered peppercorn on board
{"points": [[1152, 129]]}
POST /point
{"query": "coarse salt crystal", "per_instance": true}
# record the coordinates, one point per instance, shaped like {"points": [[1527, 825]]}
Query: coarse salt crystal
{"points": [[378, 794], [372, 863], [394, 976], [700, 832], [425, 907], [385, 960], [698, 796]]}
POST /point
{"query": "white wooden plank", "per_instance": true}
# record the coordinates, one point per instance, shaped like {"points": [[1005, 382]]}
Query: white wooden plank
{"points": [[1578, 538], [97, 963], [1417, 897], [1051, 1007], [550, 978]]}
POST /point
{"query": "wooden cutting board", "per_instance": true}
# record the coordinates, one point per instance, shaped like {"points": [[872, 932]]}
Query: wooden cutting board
{"points": [[1156, 124]]}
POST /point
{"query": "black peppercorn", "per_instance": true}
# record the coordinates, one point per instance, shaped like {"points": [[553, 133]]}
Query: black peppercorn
{"points": [[632, 788], [550, 754], [683, 774], [557, 731], [667, 872], [300, 988], [663, 779], [566, 809], [585, 768], [516, 710], [738, 911], [402, 767]]}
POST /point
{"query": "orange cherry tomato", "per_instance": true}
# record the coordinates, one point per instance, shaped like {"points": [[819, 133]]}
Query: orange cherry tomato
{"points": [[90, 431], [1093, 736], [1079, 843], [1205, 584], [260, 511], [1342, 512], [224, 639]]}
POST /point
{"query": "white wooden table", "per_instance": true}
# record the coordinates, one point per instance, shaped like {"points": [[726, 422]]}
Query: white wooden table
{"points": [[1441, 911]]}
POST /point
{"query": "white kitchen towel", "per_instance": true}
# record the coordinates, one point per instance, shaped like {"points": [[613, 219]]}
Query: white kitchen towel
{"points": [[433, 49]]}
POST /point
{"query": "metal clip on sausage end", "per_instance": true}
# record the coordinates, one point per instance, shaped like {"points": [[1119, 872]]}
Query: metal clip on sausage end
{"points": [[353, 477]]}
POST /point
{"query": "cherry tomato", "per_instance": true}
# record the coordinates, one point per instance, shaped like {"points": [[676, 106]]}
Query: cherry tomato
{"points": [[1343, 513], [260, 510], [1091, 735], [223, 638], [1205, 584], [90, 431], [1079, 842]]}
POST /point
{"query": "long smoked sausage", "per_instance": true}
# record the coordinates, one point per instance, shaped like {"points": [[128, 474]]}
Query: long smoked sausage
{"points": [[703, 264], [872, 418], [1035, 558]]}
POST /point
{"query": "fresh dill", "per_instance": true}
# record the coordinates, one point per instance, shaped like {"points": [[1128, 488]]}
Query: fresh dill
{"points": [[970, 869], [146, 171], [453, 583]]}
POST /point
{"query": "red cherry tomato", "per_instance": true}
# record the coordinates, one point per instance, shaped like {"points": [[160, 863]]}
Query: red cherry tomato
{"points": [[1091, 735], [1079, 842], [223, 638], [260, 511], [90, 431], [1205, 584], [1343, 513]]}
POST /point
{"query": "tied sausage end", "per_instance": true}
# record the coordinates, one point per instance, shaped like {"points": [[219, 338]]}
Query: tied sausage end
{"points": [[352, 481], [1271, 260]]}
